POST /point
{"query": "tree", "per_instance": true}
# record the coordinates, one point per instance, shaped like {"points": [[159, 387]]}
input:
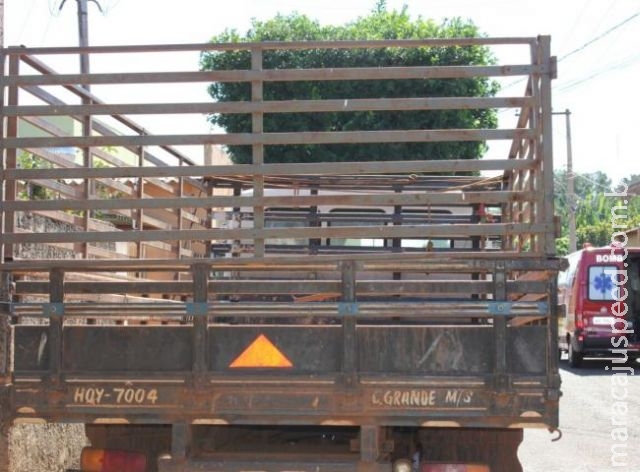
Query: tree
{"points": [[594, 211], [379, 24]]}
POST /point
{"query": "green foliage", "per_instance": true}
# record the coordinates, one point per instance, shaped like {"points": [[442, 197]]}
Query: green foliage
{"points": [[33, 191], [379, 24], [595, 213]]}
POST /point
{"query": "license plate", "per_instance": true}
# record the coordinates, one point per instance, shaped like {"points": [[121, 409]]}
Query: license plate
{"points": [[602, 320]]}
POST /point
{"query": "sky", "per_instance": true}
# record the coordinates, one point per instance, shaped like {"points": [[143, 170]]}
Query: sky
{"points": [[597, 43]]}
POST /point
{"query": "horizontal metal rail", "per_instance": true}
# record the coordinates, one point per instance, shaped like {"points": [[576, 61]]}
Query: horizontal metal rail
{"points": [[408, 231], [270, 139], [277, 75], [292, 287], [294, 201], [268, 45], [275, 106], [293, 169], [465, 261], [450, 310]]}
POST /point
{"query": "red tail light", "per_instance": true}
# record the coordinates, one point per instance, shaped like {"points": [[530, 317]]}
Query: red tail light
{"points": [[105, 460], [455, 468]]}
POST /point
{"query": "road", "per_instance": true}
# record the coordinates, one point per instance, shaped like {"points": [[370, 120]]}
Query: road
{"points": [[586, 410]]}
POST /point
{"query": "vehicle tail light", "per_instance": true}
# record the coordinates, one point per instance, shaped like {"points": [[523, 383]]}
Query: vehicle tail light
{"points": [[454, 468], [579, 321], [106, 460]]}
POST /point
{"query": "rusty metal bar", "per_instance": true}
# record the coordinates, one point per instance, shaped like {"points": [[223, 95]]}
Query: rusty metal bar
{"points": [[3, 158], [200, 336], [276, 106], [346, 44], [270, 139], [548, 246], [56, 318], [9, 160], [85, 94], [293, 287], [408, 199], [257, 149], [348, 308], [406, 231], [6, 300], [501, 380], [280, 75], [288, 169], [465, 261]]}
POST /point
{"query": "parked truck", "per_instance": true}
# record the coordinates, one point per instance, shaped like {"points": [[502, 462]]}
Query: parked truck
{"points": [[392, 315]]}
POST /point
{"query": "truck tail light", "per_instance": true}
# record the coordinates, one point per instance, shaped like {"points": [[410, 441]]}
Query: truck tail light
{"points": [[579, 321], [106, 460], [402, 465], [445, 467]]}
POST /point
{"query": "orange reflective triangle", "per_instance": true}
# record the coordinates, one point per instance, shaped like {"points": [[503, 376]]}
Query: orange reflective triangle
{"points": [[261, 353]]}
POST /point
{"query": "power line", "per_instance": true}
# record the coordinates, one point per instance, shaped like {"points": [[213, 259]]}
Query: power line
{"points": [[599, 37], [584, 46], [621, 64]]}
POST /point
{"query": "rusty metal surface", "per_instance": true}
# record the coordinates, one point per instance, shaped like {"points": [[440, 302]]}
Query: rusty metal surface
{"points": [[143, 316]]}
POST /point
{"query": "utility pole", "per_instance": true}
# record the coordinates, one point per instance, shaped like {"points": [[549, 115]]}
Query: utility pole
{"points": [[83, 32], [571, 196], [87, 122], [1, 23]]}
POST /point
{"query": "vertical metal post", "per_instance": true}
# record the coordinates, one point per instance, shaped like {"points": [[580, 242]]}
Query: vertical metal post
{"points": [[180, 443], [89, 184], [1, 23], [571, 197], [56, 313], [396, 243], [200, 296], [371, 440], [6, 297], [314, 222], [348, 311], [552, 340], [180, 216], [2, 138], [544, 58], [257, 128], [10, 158], [83, 37], [500, 327], [87, 125], [209, 186], [140, 196]]}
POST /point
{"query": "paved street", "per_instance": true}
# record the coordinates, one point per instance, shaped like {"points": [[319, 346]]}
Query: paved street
{"points": [[586, 410]]}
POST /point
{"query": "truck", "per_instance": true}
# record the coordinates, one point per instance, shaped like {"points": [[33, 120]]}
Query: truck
{"points": [[396, 315]]}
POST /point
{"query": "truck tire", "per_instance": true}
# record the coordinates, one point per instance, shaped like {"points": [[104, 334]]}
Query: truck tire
{"points": [[575, 358]]}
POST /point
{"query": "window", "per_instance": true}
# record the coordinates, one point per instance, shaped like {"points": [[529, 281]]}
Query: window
{"points": [[357, 217], [287, 218], [601, 283]]}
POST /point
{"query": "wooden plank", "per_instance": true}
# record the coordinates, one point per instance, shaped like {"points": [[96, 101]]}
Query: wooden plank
{"points": [[294, 201], [271, 139], [406, 231], [288, 169], [271, 45], [276, 106], [535, 291], [280, 75], [418, 261]]}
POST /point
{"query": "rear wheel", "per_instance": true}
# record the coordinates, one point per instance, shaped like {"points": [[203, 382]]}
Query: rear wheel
{"points": [[575, 358]]}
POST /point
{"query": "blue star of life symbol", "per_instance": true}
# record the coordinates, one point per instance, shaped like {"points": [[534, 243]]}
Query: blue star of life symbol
{"points": [[603, 284]]}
